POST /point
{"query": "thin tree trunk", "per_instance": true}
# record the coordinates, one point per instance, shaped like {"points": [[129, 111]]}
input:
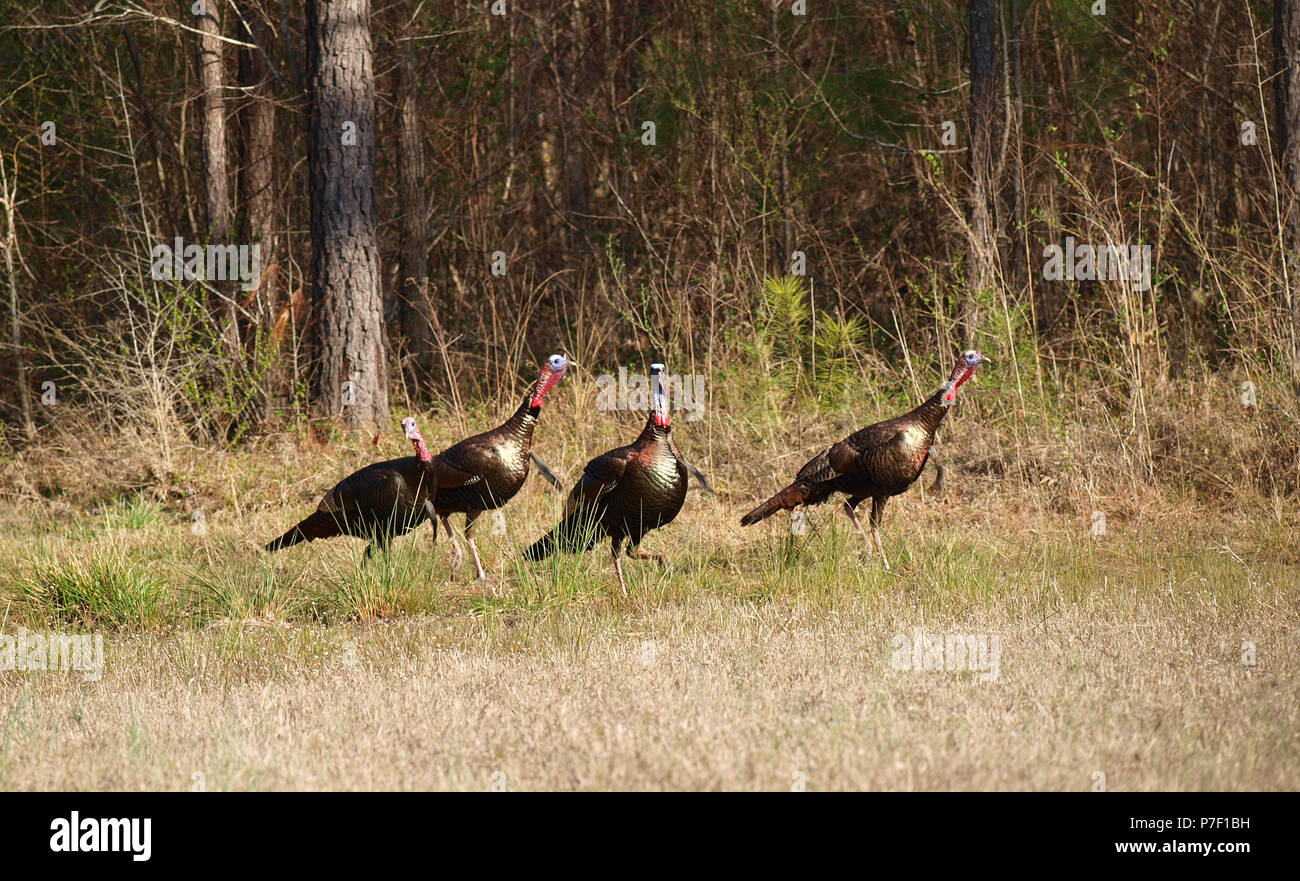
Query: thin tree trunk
{"points": [[351, 379], [8, 202], [577, 196], [983, 98], [154, 141], [257, 197], [414, 306], [216, 162], [1286, 44], [783, 146]]}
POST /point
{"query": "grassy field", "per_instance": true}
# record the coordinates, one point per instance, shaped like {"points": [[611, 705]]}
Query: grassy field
{"points": [[1162, 654], [809, 235]]}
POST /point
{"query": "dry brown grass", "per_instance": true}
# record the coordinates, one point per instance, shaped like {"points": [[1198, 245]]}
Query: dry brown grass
{"points": [[716, 693]]}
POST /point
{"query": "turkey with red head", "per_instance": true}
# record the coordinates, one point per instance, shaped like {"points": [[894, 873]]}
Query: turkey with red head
{"points": [[485, 471], [623, 493], [880, 461], [379, 502]]}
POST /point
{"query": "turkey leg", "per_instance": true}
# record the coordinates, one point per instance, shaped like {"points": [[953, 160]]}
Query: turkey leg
{"points": [[618, 565], [849, 505], [878, 509], [433, 519], [455, 545], [470, 517]]}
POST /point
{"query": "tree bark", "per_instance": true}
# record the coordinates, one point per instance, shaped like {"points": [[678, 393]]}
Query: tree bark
{"points": [[783, 148], [983, 101], [9, 244], [351, 377], [216, 161], [1286, 45], [257, 198], [414, 305]]}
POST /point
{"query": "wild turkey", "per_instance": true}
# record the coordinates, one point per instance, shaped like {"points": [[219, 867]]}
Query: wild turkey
{"points": [[485, 471], [624, 493], [379, 502], [880, 461]]}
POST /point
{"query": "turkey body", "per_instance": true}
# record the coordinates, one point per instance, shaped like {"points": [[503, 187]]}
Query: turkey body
{"points": [[379, 503], [485, 471], [623, 494], [877, 462]]}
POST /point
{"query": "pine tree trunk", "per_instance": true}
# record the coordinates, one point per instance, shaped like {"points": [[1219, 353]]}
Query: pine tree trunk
{"points": [[216, 161], [983, 98], [351, 378], [414, 304], [257, 198]]}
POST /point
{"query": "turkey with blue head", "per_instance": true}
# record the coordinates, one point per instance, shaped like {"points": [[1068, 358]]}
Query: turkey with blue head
{"points": [[483, 472], [876, 463], [624, 493]]}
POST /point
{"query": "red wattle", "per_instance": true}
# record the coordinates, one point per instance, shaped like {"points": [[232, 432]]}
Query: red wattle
{"points": [[544, 384]]}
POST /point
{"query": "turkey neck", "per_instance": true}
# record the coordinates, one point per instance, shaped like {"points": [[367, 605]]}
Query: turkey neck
{"points": [[930, 414], [519, 427], [655, 436], [660, 479]]}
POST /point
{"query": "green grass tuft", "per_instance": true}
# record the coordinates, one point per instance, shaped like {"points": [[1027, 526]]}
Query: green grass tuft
{"points": [[103, 589]]}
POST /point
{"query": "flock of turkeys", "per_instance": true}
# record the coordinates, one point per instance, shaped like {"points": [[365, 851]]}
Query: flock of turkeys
{"points": [[623, 493]]}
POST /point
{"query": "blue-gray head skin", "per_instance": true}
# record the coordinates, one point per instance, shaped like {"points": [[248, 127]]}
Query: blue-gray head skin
{"points": [[551, 373], [964, 370], [659, 395]]}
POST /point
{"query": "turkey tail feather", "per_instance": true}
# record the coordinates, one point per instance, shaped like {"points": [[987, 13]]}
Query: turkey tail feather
{"points": [[290, 538], [573, 534], [791, 497], [542, 548], [316, 526]]}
